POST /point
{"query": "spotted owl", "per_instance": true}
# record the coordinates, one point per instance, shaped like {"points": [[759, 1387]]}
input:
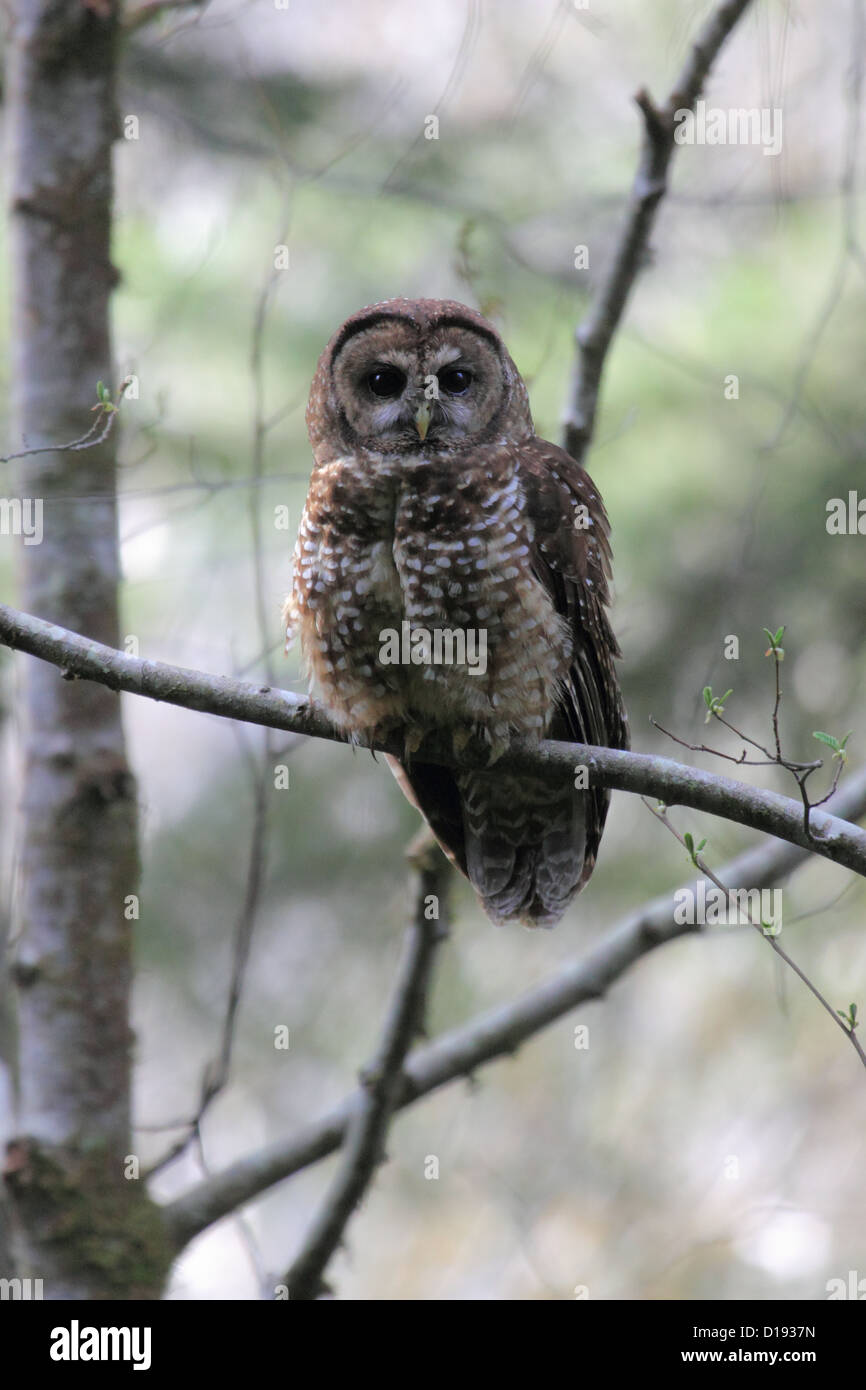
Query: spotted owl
{"points": [[451, 575]]}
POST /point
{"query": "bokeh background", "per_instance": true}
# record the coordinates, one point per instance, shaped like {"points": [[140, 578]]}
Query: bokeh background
{"points": [[709, 1143]]}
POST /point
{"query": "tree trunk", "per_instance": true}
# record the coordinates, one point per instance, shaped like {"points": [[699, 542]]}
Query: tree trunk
{"points": [[80, 1223]]}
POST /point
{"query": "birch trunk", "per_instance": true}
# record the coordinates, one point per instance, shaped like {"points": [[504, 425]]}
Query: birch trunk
{"points": [[80, 1224]]}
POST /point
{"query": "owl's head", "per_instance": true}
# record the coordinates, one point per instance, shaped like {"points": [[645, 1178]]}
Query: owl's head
{"points": [[412, 375]]}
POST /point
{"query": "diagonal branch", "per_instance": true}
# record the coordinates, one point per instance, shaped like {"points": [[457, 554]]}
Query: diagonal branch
{"points": [[595, 333], [640, 773], [495, 1034], [383, 1081], [761, 927], [135, 18]]}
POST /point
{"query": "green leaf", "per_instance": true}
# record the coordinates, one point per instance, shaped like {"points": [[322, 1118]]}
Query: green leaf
{"points": [[715, 703], [830, 741]]}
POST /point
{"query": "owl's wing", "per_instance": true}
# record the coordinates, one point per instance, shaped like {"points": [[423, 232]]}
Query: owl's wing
{"points": [[570, 555], [526, 844]]}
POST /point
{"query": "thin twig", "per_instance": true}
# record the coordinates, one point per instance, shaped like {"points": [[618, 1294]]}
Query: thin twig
{"points": [[850, 249], [382, 1081], [89, 440], [742, 760], [136, 18], [217, 1071], [801, 772], [778, 665], [660, 813]]}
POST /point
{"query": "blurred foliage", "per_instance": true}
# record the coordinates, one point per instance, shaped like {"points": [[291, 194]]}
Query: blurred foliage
{"points": [[709, 1143]]}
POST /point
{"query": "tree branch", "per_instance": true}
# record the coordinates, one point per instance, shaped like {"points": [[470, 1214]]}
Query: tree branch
{"points": [[136, 18], [383, 1081], [761, 928], [97, 434], [640, 773], [595, 333], [497, 1033]]}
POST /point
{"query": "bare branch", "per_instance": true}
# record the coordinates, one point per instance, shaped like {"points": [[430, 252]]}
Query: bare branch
{"points": [[850, 250], [495, 1034], [218, 1069], [701, 864], [383, 1081], [742, 760], [137, 17], [640, 773], [595, 333], [108, 412]]}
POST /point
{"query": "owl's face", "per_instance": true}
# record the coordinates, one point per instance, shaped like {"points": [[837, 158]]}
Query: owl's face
{"points": [[413, 376]]}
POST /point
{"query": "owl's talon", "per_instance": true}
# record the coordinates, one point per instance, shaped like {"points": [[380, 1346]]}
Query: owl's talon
{"points": [[412, 740], [498, 747], [459, 739], [498, 744]]}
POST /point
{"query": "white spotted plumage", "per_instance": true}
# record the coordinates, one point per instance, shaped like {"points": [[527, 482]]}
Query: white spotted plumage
{"points": [[465, 526]]}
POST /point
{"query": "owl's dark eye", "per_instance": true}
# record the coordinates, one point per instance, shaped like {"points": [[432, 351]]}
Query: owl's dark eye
{"points": [[455, 381], [387, 382]]}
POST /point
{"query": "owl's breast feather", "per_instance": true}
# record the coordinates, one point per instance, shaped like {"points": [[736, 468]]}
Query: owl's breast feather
{"points": [[427, 552]]}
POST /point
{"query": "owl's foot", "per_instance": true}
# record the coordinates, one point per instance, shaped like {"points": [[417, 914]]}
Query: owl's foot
{"points": [[492, 741]]}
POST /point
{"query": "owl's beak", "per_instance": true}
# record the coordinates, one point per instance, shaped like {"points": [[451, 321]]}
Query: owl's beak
{"points": [[422, 419]]}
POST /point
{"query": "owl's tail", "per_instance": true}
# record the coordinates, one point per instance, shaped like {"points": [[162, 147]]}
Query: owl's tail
{"points": [[525, 846], [522, 843]]}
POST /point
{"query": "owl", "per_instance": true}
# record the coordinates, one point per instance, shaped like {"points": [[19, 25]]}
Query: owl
{"points": [[451, 575]]}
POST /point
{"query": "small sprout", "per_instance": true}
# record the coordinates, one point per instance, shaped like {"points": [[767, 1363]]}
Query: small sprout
{"points": [[834, 743], [104, 403], [774, 638], [715, 703], [688, 841], [850, 1017]]}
